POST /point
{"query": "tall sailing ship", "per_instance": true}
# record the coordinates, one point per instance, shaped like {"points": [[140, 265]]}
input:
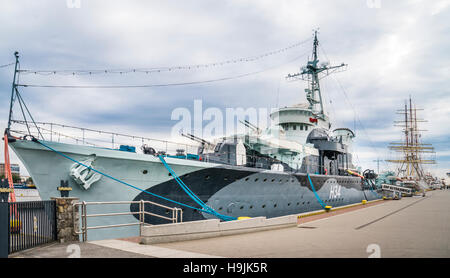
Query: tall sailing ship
{"points": [[410, 168], [297, 164]]}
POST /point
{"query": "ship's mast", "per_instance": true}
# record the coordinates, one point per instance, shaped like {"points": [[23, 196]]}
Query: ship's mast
{"points": [[14, 85], [313, 72], [411, 148]]}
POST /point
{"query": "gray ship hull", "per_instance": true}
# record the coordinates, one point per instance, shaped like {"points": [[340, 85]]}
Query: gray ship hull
{"points": [[230, 190]]}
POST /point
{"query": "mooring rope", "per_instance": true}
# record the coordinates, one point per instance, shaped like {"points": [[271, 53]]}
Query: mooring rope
{"points": [[315, 193], [210, 211]]}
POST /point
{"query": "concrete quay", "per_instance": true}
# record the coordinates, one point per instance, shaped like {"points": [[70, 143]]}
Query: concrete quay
{"points": [[407, 228]]}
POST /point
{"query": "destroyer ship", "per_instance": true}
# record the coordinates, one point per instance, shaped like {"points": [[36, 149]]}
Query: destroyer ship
{"points": [[295, 165]]}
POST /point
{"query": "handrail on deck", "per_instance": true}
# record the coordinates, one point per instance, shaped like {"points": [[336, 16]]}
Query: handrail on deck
{"points": [[177, 215]]}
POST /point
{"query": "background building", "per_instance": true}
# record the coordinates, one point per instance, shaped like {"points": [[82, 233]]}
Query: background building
{"points": [[15, 169]]}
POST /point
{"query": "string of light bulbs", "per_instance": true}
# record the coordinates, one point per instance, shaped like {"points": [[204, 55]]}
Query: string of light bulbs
{"points": [[162, 69]]}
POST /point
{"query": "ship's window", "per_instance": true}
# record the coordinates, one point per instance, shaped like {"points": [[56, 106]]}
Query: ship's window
{"points": [[298, 203], [246, 179], [263, 206], [301, 127], [256, 179], [294, 127], [275, 205], [225, 179], [144, 172], [289, 204], [220, 208], [207, 177], [265, 179], [273, 180], [242, 207], [170, 174], [306, 127], [251, 207]]}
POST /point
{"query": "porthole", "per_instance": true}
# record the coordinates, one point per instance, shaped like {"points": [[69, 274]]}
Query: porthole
{"points": [[242, 207], [256, 179], [273, 180], [250, 207], [275, 205], [170, 174], [145, 172], [263, 206], [265, 179], [207, 177], [298, 204], [220, 208], [246, 179]]}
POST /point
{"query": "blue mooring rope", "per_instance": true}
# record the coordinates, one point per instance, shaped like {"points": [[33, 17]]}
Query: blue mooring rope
{"points": [[192, 195], [315, 193], [208, 210]]}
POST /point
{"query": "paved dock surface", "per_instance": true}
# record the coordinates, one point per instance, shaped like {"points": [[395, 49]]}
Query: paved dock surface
{"points": [[406, 228]]}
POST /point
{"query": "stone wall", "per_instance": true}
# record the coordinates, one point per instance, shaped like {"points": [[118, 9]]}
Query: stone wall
{"points": [[67, 219]]}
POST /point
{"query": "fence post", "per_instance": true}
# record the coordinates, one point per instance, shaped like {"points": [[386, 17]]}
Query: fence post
{"points": [[67, 219], [4, 230]]}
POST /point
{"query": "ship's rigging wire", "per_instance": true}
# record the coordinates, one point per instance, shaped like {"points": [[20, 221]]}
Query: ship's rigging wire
{"points": [[356, 115], [6, 65], [357, 118], [162, 84], [163, 69]]}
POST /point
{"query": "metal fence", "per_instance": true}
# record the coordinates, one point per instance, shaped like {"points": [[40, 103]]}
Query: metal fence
{"points": [[176, 215], [31, 224]]}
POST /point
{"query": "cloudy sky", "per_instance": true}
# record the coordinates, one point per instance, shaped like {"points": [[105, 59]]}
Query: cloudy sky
{"points": [[394, 49]]}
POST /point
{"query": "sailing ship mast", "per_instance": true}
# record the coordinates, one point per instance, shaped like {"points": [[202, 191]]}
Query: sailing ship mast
{"points": [[411, 147]]}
